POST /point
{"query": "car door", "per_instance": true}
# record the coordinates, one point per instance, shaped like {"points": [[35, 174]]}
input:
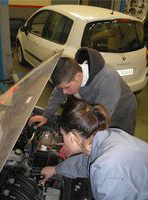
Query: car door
{"points": [[34, 39], [48, 34], [56, 34]]}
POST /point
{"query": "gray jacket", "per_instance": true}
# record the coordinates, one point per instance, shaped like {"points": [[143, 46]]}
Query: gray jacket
{"points": [[104, 86], [117, 166]]}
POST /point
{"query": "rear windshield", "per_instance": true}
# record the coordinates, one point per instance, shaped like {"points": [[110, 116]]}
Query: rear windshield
{"points": [[114, 36]]}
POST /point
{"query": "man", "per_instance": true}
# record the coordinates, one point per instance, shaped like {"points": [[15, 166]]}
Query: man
{"points": [[89, 77]]}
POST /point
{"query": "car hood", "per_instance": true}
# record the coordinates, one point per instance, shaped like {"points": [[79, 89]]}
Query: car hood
{"points": [[18, 102]]}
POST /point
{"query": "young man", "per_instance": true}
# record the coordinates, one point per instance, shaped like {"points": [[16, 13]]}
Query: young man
{"points": [[90, 78]]}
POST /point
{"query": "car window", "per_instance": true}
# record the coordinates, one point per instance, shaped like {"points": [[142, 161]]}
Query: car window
{"points": [[38, 22], [145, 25], [58, 28], [114, 36], [140, 31]]}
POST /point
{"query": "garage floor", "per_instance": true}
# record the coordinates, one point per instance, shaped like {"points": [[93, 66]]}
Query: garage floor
{"points": [[142, 99]]}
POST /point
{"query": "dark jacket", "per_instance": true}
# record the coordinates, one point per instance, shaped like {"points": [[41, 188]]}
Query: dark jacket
{"points": [[104, 86]]}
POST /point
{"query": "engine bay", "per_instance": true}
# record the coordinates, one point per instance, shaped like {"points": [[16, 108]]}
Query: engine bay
{"points": [[36, 148], [25, 150]]}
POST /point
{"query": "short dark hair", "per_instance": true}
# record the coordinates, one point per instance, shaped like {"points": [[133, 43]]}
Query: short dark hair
{"points": [[84, 118], [65, 70]]}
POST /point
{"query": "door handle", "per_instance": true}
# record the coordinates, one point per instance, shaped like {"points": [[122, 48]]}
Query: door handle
{"points": [[56, 50], [35, 42]]}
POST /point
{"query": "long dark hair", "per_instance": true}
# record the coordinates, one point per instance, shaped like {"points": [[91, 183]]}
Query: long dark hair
{"points": [[78, 116]]}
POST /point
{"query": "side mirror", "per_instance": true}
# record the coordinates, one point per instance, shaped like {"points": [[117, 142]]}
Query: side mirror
{"points": [[24, 29]]}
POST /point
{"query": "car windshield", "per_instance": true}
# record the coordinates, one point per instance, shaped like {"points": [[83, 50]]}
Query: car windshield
{"points": [[120, 35]]}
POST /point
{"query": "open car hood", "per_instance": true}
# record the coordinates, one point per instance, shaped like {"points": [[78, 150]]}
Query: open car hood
{"points": [[18, 102]]}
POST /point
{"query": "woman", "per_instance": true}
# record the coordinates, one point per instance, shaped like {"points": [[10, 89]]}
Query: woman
{"points": [[116, 162]]}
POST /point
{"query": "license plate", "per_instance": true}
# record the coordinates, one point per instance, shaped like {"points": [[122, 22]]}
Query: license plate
{"points": [[126, 72]]}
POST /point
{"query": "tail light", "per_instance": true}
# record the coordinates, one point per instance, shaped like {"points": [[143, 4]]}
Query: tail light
{"points": [[123, 20]]}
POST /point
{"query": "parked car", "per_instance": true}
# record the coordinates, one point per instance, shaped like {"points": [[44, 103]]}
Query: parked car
{"points": [[118, 37]]}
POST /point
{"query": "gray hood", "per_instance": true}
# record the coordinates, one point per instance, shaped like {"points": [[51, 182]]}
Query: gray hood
{"points": [[95, 61]]}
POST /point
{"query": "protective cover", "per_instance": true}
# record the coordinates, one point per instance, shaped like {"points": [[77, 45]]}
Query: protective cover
{"points": [[18, 102]]}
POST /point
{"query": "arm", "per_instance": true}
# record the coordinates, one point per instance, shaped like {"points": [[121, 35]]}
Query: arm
{"points": [[73, 167], [56, 98]]}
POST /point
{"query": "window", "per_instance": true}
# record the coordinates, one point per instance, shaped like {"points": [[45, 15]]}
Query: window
{"points": [[121, 35], [38, 22], [58, 28]]}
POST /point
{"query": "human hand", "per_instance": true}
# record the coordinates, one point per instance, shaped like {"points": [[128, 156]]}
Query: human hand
{"points": [[47, 172], [37, 118], [65, 151]]}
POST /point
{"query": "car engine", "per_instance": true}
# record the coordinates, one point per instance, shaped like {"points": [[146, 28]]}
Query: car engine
{"points": [[36, 148], [25, 150]]}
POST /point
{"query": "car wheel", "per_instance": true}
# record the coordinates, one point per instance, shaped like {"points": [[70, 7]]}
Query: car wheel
{"points": [[20, 55], [137, 92]]}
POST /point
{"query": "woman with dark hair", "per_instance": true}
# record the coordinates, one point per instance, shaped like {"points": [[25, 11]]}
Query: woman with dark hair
{"points": [[115, 162]]}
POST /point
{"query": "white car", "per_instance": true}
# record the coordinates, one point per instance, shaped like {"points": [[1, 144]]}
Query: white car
{"points": [[118, 37]]}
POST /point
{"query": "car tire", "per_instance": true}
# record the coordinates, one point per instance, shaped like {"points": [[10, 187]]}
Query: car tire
{"points": [[137, 92], [20, 55]]}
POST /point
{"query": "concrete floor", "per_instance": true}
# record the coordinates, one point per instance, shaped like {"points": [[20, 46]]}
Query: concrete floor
{"points": [[142, 115], [142, 99]]}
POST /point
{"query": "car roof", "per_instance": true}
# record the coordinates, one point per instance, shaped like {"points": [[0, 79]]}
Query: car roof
{"points": [[88, 13]]}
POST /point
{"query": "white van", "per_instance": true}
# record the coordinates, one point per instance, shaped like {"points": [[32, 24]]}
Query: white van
{"points": [[118, 37]]}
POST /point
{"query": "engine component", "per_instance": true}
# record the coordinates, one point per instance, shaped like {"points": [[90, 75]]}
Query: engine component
{"points": [[78, 188], [35, 149]]}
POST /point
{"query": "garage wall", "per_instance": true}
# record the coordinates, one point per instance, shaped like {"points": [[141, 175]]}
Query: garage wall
{"points": [[30, 2], [101, 3], [24, 8], [54, 2], [21, 12]]}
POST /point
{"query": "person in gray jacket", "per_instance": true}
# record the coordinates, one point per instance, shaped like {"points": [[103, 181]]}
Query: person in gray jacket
{"points": [[95, 82], [115, 162]]}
